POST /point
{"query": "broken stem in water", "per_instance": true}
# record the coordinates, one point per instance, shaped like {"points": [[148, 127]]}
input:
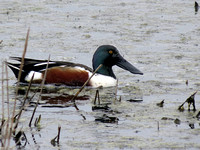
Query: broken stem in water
{"points": [[8, 103], [42, 85], [73, 99], [24, 102], [54, 141], [58, 139], [17, 86], [2, 90], [97, 97], [116, 89], [3, 120]]}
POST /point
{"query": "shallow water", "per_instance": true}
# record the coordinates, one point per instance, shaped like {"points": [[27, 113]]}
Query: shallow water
{"points": [[161, 38]]}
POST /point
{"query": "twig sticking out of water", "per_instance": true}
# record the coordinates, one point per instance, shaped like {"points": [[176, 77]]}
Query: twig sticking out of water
{"points": [[54, 141], [8, 103], [161, 103], [198, 115], [3, 117], [42, 85], [190, 100], [4, 132], [86, 82], [187, 82], [97, 97], [196, 7], [79, 91], [10, 125], [24, 102], [37, 121], [2, 91], [116, 89], [73, 99], [20, 71]]}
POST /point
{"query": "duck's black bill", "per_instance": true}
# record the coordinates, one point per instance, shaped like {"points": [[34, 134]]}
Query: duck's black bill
{"points": [[124, 64]]}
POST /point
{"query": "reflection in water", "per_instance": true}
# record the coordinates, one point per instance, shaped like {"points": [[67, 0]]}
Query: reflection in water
{"points": [[62, 99], [20, 139], [52, 94]]}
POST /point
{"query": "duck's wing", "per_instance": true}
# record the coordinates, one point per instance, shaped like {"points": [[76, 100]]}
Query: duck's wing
{"points": [[34, 65]]}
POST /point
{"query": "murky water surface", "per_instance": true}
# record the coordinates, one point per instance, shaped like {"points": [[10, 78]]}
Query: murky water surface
{"points": [[161, 38]]}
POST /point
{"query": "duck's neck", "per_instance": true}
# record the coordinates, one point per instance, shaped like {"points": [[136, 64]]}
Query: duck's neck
{"points": [[105, 70]]}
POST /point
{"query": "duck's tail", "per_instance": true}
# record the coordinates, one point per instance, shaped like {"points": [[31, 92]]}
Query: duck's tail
{"points": [[14, 67]]}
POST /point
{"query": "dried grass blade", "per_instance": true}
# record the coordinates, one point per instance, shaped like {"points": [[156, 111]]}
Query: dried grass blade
{"points": [[73, 99], [42, 85], [24, 102], [17, 86]]}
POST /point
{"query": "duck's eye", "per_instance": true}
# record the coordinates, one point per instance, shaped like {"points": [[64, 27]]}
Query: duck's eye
{"points": [[110, 52]]}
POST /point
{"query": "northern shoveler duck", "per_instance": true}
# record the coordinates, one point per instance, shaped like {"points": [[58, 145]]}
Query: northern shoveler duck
{"points": [[72, 74]]}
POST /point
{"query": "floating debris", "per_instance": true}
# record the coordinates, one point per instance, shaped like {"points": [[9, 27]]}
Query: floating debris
{"points": [[58, 106], [166, 118], [186, 82], [191, 125], [196, 7], [161, 104], [190, 100], [107, 119], [135, 100], [177, 121], [101, 107]]}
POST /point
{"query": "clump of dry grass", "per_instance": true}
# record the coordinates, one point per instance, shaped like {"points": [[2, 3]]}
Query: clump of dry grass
{"points": [[9, 124]]}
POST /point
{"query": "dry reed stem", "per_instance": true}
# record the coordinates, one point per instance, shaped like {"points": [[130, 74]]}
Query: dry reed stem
{"points": [[24, 102], [8, 103], [54, 141], [97, 97], [37, 121], [42, 85], [3, 123], [3, 120], [7, 85], [2, 90], [58, 138], [17, 86], [73, 99], [116, 90]]}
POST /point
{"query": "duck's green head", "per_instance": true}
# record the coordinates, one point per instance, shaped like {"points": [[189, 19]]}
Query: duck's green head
{"points": [[108, 56]]}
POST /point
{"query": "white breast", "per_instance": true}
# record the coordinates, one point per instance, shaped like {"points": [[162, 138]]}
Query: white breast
{"points": [[37, 76], [102, 80]]}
